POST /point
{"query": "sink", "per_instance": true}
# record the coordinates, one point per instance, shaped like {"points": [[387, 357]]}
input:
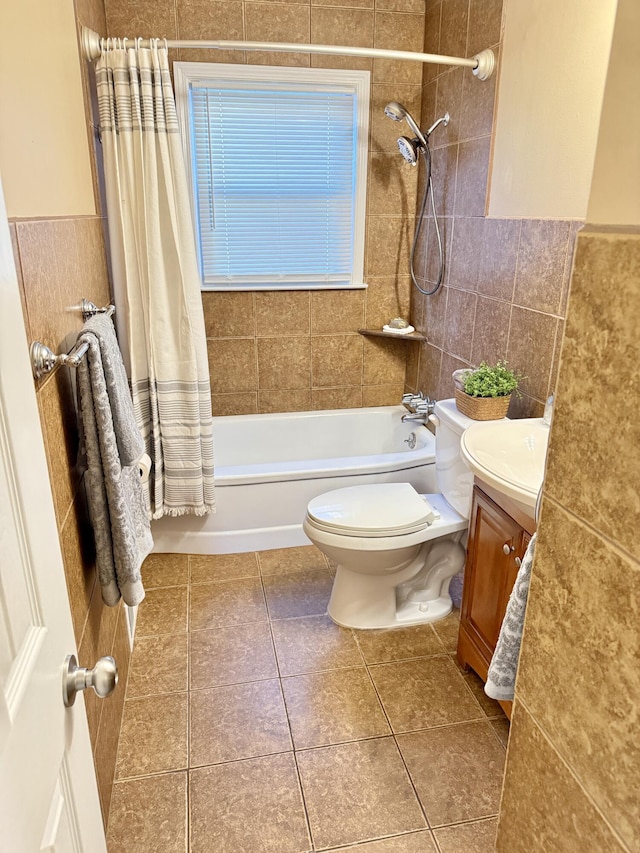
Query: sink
{"points": [[509, 455]]}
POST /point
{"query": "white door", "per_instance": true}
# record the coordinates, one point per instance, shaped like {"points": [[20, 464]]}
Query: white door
{"points": [[48, 793]]}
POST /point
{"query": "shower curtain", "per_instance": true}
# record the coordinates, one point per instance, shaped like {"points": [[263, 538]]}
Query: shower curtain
{"points": [[156, 278]]}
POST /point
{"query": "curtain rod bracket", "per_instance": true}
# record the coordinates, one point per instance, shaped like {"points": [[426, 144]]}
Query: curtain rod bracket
{"points": [[486, 63], [90, 41]]}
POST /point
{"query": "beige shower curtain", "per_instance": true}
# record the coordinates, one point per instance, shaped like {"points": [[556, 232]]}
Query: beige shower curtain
{"points": [[156, 279]]}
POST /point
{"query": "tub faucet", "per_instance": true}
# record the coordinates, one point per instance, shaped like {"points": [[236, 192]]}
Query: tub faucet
{"points": [[420, 407]]}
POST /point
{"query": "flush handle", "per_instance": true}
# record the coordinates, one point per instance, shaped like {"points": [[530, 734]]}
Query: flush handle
{"points": [[507, 548], [103, 678]]}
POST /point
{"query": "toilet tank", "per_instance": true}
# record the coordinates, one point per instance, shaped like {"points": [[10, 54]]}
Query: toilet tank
{"points": [[454, 478]]}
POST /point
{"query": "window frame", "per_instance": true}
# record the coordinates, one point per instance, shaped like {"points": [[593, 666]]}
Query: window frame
{"points": [[187, 74]]}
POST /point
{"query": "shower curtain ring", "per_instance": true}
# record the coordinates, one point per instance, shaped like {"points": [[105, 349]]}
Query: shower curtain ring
{"points": [[124, 43], [166, 45]]}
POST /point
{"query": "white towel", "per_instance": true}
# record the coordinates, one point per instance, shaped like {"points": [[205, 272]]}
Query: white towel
{"points": [[501, 677]]}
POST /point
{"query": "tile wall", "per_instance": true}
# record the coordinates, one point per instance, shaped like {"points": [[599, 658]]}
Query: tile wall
{"points": [[59, 261], [573, 761], [295, 351], [506, 281]]}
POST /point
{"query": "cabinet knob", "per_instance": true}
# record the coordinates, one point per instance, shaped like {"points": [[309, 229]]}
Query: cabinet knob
{"points": [[507, 548], [518, 562]]}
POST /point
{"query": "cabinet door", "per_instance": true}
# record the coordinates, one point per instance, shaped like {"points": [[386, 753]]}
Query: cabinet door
{"points": [[495, 539]]}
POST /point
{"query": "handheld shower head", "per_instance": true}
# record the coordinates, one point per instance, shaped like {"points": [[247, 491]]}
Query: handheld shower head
{"points": [[397, 112]]}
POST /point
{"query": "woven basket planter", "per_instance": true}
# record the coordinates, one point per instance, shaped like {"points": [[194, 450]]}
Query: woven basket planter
{"points": [[482, 408]]}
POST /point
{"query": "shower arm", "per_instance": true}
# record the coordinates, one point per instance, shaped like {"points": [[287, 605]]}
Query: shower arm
{"points": [[482, 64]]}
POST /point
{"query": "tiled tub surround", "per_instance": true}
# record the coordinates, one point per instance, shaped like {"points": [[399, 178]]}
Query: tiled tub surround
{"points": [[253, 722], [506, 282], [296, 351]]}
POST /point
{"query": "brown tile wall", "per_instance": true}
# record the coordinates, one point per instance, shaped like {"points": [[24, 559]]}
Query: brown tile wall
{"points": [[506, 282], [573, 759], [59, 261], [292, 351]]}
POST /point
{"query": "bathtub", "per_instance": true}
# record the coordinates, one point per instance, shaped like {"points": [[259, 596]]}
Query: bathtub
{"points": [[268, 467]]}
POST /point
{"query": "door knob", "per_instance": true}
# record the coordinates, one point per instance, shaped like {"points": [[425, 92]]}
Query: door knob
{"points": [[518, 562], [103, 678], [507, 549]]}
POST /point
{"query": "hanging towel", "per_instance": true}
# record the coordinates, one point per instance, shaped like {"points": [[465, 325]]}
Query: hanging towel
{"points": [[110, 447], [501, 678]]}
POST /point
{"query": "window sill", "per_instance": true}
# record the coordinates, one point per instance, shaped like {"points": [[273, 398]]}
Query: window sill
{"points": [[220, 288]]}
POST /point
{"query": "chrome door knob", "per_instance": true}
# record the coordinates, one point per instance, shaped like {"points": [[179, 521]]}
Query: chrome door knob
{"points": [[518, 562], [103, 678], [507, 549]]}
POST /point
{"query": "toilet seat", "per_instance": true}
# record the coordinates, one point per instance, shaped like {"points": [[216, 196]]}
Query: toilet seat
{"points": [[375, 511]]}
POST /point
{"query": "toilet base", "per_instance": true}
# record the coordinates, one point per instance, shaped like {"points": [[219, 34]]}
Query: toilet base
{"points": [[409, 613], [417, 612], [416, 594]]}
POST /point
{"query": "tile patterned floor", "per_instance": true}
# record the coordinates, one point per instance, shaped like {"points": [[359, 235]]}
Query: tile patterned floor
{"points": [[253, 724]]}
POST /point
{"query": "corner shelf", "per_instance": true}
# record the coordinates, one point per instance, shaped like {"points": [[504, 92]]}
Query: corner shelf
{"points": [[379, 333]]}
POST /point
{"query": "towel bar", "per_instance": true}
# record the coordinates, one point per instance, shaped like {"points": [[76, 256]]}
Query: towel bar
{"points": [[44, 360]]}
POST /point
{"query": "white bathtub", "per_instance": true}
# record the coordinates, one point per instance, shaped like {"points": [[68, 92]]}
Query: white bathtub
{"points": [[268, 467]]}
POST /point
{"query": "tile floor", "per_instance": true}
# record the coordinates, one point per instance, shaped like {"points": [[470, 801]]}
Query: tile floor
{"points": [[253, 724]]}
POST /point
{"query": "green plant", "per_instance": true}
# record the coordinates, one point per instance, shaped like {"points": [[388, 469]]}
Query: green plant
{"points": [[488, 381]]}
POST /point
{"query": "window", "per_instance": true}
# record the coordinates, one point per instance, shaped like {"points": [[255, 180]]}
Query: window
{"points": [[278, 162]]}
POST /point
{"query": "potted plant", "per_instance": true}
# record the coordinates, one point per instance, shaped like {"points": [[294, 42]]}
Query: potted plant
{"points": [[484, 394]]}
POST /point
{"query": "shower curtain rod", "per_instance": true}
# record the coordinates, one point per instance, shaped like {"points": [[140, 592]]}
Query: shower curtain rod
{"points": [[482, 64]]}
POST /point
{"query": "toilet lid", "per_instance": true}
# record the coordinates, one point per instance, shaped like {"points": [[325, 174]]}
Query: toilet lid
{"points": [[383, 509]]}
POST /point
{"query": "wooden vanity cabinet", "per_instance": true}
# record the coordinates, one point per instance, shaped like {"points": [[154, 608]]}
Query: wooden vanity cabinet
{"points": [[499, 533]]}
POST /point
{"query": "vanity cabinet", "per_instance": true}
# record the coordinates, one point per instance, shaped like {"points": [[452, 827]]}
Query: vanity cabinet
{"points": [[499, 533]]}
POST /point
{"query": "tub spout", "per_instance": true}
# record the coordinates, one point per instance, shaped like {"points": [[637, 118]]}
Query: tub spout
{"points": [[420, 411], [420, 417]]}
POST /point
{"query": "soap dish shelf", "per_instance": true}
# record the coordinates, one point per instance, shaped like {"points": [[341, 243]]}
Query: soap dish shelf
{"points": [[379, 333]]}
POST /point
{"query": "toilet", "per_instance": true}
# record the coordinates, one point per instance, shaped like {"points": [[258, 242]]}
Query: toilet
{"points": [[397, 550]]}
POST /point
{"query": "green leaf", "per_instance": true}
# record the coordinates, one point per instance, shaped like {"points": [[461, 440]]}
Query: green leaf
{"points": [[488, 381]]}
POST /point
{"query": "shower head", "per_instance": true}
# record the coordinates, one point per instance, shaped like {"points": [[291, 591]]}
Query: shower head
{"points": [[397, 112], [409, 149]]}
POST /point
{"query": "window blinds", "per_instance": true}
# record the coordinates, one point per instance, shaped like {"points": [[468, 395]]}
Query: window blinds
{"points": [[274, 171]]}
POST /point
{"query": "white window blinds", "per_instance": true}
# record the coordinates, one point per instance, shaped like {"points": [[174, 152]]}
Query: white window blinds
{"points": [[278, 182]]}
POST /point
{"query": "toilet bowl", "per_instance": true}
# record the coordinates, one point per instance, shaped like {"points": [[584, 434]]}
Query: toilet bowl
{"points": [[396, 550]]}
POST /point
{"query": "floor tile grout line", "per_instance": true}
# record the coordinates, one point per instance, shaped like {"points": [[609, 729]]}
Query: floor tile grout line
{"points": [[483, 819], [286, 710], [362, 844], [493, 729], [279, 675], [399, 751], [304, 800]]}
